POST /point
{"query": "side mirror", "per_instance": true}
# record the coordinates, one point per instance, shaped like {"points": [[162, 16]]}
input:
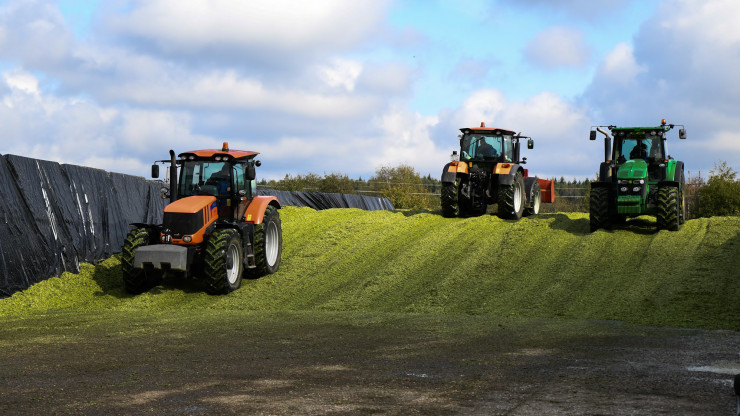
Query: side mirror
{"points": [[250, 173], [682, 134], [592, 136], [530, 144], [155, 171]]}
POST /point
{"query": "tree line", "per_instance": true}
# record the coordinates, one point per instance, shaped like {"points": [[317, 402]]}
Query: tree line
{"points": [[407, 189]]}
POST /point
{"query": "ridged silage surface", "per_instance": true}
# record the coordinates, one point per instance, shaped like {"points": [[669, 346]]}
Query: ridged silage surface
{"points": [[405, 262]]}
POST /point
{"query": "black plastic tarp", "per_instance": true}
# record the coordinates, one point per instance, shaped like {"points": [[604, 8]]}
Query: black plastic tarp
{"points": [[318, 200], [53, 217]]}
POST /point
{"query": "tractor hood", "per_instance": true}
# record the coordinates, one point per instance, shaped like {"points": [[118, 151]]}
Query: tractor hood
{"points": [[633, 169]]}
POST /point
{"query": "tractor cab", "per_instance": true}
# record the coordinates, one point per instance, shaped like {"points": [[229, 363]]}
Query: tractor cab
{"points": [[637, 145], [484, 146]]}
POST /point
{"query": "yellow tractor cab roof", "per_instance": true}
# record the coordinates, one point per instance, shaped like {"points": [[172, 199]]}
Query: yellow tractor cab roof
{"points": [[224, 154], [484, 129]]}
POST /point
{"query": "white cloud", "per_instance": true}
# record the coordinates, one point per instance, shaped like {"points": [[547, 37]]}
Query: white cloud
{"points": [[341, 73], [558, 47], [620, 65], [274, 30], [682, 67]]}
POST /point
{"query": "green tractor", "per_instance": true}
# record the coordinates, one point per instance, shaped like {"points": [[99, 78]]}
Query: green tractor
{"points": [[637, 178]]}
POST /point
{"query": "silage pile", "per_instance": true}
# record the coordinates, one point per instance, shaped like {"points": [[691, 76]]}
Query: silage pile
{"points": [[546, 266]]}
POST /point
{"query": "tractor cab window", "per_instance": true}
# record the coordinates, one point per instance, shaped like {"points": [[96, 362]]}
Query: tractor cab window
{"points": [[240, 180], [205, 178], [483, 147]]}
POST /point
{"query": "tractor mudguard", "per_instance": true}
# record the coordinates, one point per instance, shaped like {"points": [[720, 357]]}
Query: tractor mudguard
{"points": [[507, 178], [601, 184], [450, 171], [256, 209], [605, 172], [449, 175], [528, 184]]}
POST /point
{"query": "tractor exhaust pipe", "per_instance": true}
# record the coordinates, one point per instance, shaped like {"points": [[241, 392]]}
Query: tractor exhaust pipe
{"points": [[607, 144], [173, 177]]}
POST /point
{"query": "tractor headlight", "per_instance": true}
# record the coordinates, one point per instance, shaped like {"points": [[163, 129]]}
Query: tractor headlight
{"points": [[187, 239], [636, 189], [640, 181], [623, 189], [623, 181]]}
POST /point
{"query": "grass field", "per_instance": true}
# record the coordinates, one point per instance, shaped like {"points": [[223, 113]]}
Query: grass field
{"points": [[548, 266]]}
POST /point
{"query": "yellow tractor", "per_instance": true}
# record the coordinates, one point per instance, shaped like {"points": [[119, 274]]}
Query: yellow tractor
{"points": [[216, 227]]}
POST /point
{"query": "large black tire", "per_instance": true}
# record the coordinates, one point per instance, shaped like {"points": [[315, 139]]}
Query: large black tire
{"points": [[268, 244], [599, 208], [511, 198], [448, 199], [682, 200], [135, 280], [669, 209], [535, 201], [223, 263]]}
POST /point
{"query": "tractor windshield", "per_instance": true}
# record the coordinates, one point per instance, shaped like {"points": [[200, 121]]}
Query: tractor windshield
{"points": [[486, 147], [200, 177], [647, 146]]}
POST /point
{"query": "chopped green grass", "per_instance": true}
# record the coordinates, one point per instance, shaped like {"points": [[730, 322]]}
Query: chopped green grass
{"points": [[400, 262]]}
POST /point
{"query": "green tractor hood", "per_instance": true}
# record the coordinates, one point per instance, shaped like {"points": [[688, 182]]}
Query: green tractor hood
{"points": [[633, 169]]}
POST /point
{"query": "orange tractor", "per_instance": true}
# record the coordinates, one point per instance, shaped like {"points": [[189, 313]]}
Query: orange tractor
{"points": [[215, 227], [488, 170]]}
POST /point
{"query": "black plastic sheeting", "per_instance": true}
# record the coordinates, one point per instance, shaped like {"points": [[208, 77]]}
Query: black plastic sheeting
{"points": [[318, 200], [54, 217]]}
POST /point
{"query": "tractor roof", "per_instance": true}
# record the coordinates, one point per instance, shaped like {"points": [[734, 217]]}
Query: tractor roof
{"points": [[211, 153], [484, 129], [664, 128]]}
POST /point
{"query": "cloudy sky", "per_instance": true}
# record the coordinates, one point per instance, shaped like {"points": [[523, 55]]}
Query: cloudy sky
{"points": [[347, 86]]}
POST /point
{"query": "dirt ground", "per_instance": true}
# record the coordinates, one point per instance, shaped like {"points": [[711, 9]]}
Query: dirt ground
{"points": [[334, 364]]}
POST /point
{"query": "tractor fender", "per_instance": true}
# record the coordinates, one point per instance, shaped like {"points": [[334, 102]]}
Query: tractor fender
{"points": [[256, 210], [449, 174], [528, 184], [450, 171], [506, 173], [605, 172]]}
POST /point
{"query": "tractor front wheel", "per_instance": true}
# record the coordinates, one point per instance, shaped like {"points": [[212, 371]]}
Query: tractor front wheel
{"points": [[534, 206], [669, 208], [268, 244], [599, 208], [511, 198], [448, 199], [135, 280], [223, 261]]}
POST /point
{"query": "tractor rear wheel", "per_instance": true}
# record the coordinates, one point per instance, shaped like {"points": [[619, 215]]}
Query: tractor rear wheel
{"points": [[682, 200], [599, 208], [135, 280], [448, 198], [511, 198], [223, 263], [669, 208], [534, 206], [268, 244]]}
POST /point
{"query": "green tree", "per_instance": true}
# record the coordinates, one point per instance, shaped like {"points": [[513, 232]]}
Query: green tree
{"points": [[337, 183], [721, 194], [401, 185]]}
